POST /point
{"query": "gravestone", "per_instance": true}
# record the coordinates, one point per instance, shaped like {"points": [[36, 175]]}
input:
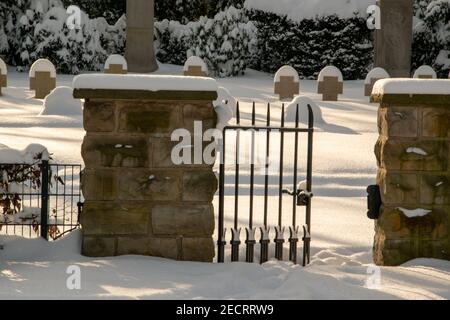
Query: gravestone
{"points": [[330, 83], [393, 42], [195, 67], [425, 72], [116, 64], [286, 83], [3, 75], [139, 51], [138, 199], [413, 170], [42, 78], [373, 76]]}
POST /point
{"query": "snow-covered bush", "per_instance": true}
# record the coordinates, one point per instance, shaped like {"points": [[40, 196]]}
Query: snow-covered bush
{"points": [[311, 44], [18, 167], [226, 42], [432, 37], [38, 29]]}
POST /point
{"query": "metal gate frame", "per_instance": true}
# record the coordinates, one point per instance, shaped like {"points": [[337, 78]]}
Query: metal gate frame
{"points": [[300, 197], [52, 186]]}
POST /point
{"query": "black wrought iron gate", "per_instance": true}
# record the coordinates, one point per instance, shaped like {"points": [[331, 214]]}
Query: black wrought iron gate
{"points": [[301, 192]]}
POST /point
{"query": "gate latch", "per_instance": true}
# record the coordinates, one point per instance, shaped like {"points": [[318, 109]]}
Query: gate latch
{"points": [[303, 196], [373, 202]]}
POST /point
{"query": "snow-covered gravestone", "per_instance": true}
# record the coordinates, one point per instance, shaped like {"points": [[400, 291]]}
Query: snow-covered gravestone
{"points": [[413, 170], [286, 83], [3, 75], [42, 78], [425, 72], [373, 76], [116, 64], [195, 67], [60, 102], [297, 109], [330, 83]]}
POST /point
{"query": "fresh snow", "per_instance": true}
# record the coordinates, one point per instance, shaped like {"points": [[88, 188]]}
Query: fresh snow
{"points": [[414, 213], [60, 101], [195, 61], [298, 10], [144, 82], [286, 71], [425, 71], [26, 156], [418, 151], [39, 269], [342, 236], [42, 65], [411, 86], [376, 73], [116, 59], [330, 71]]}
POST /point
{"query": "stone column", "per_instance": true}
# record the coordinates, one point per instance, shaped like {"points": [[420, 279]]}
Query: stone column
{"points": [[413, 153], [136, 200], [393, 42], [139, 52]]}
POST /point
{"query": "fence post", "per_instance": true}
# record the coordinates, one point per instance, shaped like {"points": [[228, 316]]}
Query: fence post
{"points": [[44, 199]]}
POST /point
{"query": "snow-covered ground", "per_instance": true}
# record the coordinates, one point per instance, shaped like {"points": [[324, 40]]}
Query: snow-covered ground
{"points": [[344, 165]]}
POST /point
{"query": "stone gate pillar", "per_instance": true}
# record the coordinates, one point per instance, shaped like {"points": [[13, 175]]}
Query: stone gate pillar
{"points": [[393, 42], [137, 201], [413, 153]]}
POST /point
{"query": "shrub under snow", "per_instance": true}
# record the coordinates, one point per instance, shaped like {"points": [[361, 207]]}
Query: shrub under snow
{"points": [[62, 103], [225, 42]]}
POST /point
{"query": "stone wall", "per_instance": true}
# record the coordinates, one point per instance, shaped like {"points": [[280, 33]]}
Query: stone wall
{"points": [[413, 154], [136, 200]]}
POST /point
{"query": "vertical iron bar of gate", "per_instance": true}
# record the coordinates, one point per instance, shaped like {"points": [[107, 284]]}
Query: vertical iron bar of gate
{"points": [[293, 240], [309, 180], [235, 232], [44, 199], [250, 232], [279, 238], [264, 242], [221, 236]]}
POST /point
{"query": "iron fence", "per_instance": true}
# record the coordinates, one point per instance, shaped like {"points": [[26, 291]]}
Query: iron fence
{"points": [[275, 184], [43, 199]]}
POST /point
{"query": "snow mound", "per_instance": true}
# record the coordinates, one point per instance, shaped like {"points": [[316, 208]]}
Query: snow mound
{"points": [[286, 71], [60, 102], [225, 107], [330, 71], [411, 86], [3, 68], [195, 61], [298, 10], [290, 114], [42, 65], [27, 155], [376, 73], [116, 59], [425, 71], [415, 213], [143, 82]]}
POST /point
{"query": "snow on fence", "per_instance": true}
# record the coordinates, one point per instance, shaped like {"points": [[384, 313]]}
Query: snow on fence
{"points": [[195, 67], [42, 78], [330, 83], [116, 64], [3, 75], [414, 171], [37, 198], [286, 83]]}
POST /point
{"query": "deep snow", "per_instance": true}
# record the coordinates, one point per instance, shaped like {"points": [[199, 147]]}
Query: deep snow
{"points": [[344, 165]]}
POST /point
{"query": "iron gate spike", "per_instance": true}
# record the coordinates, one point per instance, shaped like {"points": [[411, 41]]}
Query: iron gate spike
{"points": [[293, 241], [250, 241], [235, 242], [279, 240], [265, 240]]}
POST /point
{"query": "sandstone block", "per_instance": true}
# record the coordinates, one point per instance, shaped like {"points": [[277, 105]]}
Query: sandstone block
{"points": [[199, 185], [198, 249], [99, 116], [98, 247]]}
